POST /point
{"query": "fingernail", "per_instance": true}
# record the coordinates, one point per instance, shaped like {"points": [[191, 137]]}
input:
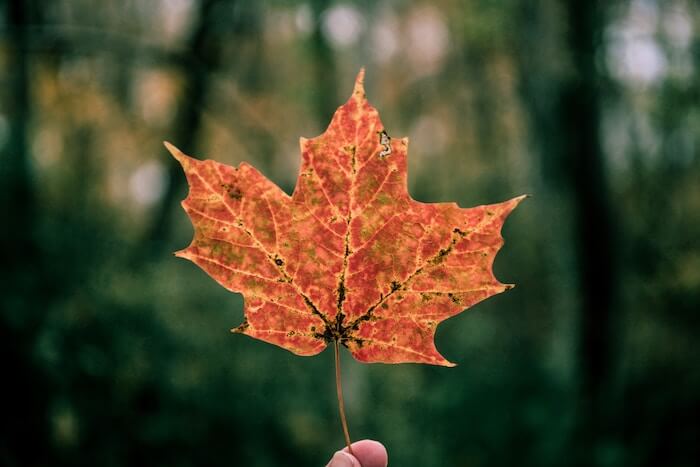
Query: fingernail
{"points": [[341, 459]]}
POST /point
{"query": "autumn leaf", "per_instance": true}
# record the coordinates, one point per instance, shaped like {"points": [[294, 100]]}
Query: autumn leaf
{"points": [[350, 257]]}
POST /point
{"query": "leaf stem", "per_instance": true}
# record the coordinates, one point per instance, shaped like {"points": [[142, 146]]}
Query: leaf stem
{"points": [[341, 404]]}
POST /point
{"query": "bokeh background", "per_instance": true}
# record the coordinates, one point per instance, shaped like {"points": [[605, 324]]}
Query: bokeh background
{"points": [[115, 353]]}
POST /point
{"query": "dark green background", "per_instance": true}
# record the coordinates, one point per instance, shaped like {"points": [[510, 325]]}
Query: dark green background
{"points": [[116, 353]]}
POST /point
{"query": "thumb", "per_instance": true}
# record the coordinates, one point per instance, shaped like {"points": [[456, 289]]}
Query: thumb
{"points": [[343, 459]]}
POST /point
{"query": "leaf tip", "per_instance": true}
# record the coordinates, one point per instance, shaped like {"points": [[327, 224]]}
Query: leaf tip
{"points": [[513, 203], [359, 89], [518, 199], [240, 329], [446, 363], [442, 361], [182, 254], [176, 153]]}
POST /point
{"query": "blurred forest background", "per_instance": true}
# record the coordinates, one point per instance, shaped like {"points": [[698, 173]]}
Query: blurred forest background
{"points": [[116, 353]]}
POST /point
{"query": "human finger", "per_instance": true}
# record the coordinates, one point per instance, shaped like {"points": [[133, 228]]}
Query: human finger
{"points": [[369, 453]]}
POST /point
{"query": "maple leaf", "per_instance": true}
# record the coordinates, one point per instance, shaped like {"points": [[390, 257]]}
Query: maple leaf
{"points": [[350, 257]]}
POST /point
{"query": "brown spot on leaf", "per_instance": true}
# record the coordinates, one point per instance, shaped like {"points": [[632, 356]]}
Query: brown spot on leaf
{"points": [[233, 191], [242, 327], [385, 142]]}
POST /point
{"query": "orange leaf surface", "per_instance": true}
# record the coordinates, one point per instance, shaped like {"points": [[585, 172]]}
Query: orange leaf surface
{"points": [[350, 256]]}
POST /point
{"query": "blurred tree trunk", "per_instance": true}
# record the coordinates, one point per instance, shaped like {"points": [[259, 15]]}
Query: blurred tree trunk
{"points": [[324, 68], [581, 112], [250, 69], [198, 61], [24, 400], [565, 113]]}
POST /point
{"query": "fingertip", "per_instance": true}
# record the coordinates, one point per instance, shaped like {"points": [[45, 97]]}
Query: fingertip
{"points": [[343, 459], [370, 453]]}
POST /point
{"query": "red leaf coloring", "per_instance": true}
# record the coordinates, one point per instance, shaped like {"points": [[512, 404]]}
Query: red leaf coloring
{"points": [[349, 256]]}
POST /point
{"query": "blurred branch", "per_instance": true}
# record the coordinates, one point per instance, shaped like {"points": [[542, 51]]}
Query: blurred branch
{"points": [[66, 39]]}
